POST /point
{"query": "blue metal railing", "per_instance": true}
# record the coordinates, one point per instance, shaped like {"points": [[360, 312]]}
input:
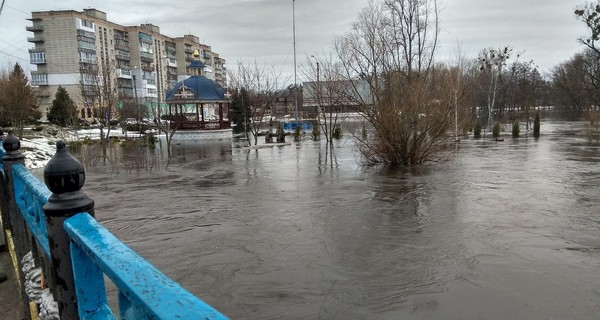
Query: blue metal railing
{"points": [[143, 291], [291, 125], [31, 195]]}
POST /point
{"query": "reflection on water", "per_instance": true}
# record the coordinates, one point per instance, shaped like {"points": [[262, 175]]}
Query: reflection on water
{"points": [[504, 230]]}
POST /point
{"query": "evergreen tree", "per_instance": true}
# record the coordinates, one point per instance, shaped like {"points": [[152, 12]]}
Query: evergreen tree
{"points": [[496, 131], [516, 131], [63, 111], [18, 100], [536, 125]]}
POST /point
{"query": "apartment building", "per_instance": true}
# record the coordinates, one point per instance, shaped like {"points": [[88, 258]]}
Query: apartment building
{"points": [[82, 51]]}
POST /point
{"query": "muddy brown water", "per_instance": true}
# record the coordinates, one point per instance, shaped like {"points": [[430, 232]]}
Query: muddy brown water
{"points": [[503, 230]]}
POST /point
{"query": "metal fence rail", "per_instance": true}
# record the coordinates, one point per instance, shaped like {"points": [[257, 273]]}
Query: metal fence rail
{"points": [[144, 292]]}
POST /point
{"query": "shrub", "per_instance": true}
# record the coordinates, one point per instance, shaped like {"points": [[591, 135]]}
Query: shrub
{"points": [[536, 125], [337, 132], [298, 132], [316, 133], [496, 130], [137, 127], [477, 129], [515, 129]]}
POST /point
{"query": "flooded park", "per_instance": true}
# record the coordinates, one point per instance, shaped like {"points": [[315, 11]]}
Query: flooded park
{"points": [[502, 230]]}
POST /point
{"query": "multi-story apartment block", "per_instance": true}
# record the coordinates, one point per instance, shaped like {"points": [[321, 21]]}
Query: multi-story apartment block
{"points": [[82, 51]]}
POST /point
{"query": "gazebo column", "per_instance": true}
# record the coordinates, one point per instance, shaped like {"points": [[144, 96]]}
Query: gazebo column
{"points": [[220, 115], [198, 125], [202, 115]]}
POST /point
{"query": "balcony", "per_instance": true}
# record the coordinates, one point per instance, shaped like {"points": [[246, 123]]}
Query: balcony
{"points": [[151, 93], [147, 66], [146, 59], [38, 39], [189, 50], [34, 28], [124, 73], [171, 54], [88, 68], [172, 63], [37, 56], [88, 60], [123, 57], [37, 60], [39, 79]]}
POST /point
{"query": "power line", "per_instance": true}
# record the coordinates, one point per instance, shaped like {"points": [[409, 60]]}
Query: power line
{"points": [[10, 55], [18, 10], [14, 46]]}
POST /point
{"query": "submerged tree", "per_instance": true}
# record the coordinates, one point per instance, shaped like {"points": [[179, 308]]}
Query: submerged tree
{"points": [[17, 100], [329, 93], [491, 65], [254, 89], [388, 56], [536, 125], [576, 83]]}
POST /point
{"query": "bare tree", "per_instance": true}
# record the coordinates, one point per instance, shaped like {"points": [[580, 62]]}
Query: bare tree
{"points": [[458, 91], [491, 64], [330, 93], [257, 86], [390, 54], [576, 83], [99, 92], [589, 13], [169, 121]]}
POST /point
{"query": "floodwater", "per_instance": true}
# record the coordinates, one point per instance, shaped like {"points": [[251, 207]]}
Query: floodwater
{"points": [[503, 230]]}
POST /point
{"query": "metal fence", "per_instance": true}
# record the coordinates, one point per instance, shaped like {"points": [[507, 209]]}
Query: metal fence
{"points": [[63, 254]]}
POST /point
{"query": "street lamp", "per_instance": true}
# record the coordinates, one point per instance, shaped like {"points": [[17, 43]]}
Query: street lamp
{"points": [[318, 87], [295, 76], [135, 92]]}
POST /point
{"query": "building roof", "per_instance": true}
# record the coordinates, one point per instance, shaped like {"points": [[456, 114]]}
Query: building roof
{"points": [[196, 89], [197, 64]]}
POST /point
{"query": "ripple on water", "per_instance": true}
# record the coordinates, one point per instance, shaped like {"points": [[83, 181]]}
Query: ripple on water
{"points": [[503, 230]]}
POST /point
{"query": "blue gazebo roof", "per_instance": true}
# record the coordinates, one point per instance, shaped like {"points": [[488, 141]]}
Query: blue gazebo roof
{"points": [[196, 88]]}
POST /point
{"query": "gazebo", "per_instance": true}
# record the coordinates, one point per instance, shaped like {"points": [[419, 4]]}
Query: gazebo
{"points": [[199, 104]]}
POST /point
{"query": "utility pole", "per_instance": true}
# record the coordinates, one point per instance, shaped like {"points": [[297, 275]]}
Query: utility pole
{"points": [[295, 73]]}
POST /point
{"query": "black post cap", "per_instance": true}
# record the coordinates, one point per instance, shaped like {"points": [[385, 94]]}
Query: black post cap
{"points": [[63, 173], [11, 142]]}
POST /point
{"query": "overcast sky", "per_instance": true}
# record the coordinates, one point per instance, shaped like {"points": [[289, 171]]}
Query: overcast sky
{"points": [[544, 31]]}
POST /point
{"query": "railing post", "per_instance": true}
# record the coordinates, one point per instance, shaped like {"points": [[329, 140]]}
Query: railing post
{"points": [[16, 224], [64, 175], [3, 207]]}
